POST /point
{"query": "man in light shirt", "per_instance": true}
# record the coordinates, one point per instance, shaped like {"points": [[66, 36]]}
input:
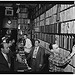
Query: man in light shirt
{"points": [[28, 44], [65, 60]]}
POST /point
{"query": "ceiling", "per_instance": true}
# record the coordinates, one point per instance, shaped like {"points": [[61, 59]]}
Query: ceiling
{"points": [[20, 4]]}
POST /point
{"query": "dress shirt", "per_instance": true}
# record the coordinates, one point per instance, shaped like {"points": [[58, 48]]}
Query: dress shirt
{"points": [[28, 45], [35, 52]]}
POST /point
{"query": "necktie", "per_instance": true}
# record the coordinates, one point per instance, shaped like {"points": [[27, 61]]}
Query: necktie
{"points": [[35, 53]]}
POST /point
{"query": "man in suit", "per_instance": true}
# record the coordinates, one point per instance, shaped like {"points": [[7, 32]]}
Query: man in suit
{"points": [[5, 60], [37, 57]]}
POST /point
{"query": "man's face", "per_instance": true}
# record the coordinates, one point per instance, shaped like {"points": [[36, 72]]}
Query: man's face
{"points": [[25, 36], [55, 41], [36, 43], [6, 48], [56, 48]]}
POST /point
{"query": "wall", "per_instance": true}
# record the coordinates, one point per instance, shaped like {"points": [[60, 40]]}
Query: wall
{"points": [[57, 23]]}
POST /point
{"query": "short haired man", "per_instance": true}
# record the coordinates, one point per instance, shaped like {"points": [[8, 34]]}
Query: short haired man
{"points": [[28, 44], [37, 57], [5, 59]]}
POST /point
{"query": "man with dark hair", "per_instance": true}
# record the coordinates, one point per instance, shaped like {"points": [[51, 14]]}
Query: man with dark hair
{"points": [[28, 44], [5, 56], [37, 57], [37, 40], [65, 61], [4, 63], [50, 46]]}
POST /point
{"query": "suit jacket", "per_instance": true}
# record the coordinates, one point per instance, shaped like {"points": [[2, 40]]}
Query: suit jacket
{"points": [[3, 63], [39, 58]]}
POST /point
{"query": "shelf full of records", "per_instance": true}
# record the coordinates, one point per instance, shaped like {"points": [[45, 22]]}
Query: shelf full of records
{"points": [[64, 27], [68, 14], [41, 23], [64, 41], [68, 27], [66, 6], [42, 16], [49, 20], [23, 10], [38, 19], [23, 21], [23, 15], [46, 37], [37, 24], [14, 23], [51, 11], [42, 29], [43, 7], [51, 28]]}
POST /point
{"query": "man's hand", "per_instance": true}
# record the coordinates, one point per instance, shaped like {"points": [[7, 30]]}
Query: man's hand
{"points": [[73, 49], [40, 65], [13, 41], [19, 58]]}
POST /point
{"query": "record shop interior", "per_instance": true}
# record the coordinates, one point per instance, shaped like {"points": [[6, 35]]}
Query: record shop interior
{"points": [[37, 37]]}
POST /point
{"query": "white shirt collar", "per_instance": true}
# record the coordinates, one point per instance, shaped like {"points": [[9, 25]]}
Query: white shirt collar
{"points": [[37, 47]]}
